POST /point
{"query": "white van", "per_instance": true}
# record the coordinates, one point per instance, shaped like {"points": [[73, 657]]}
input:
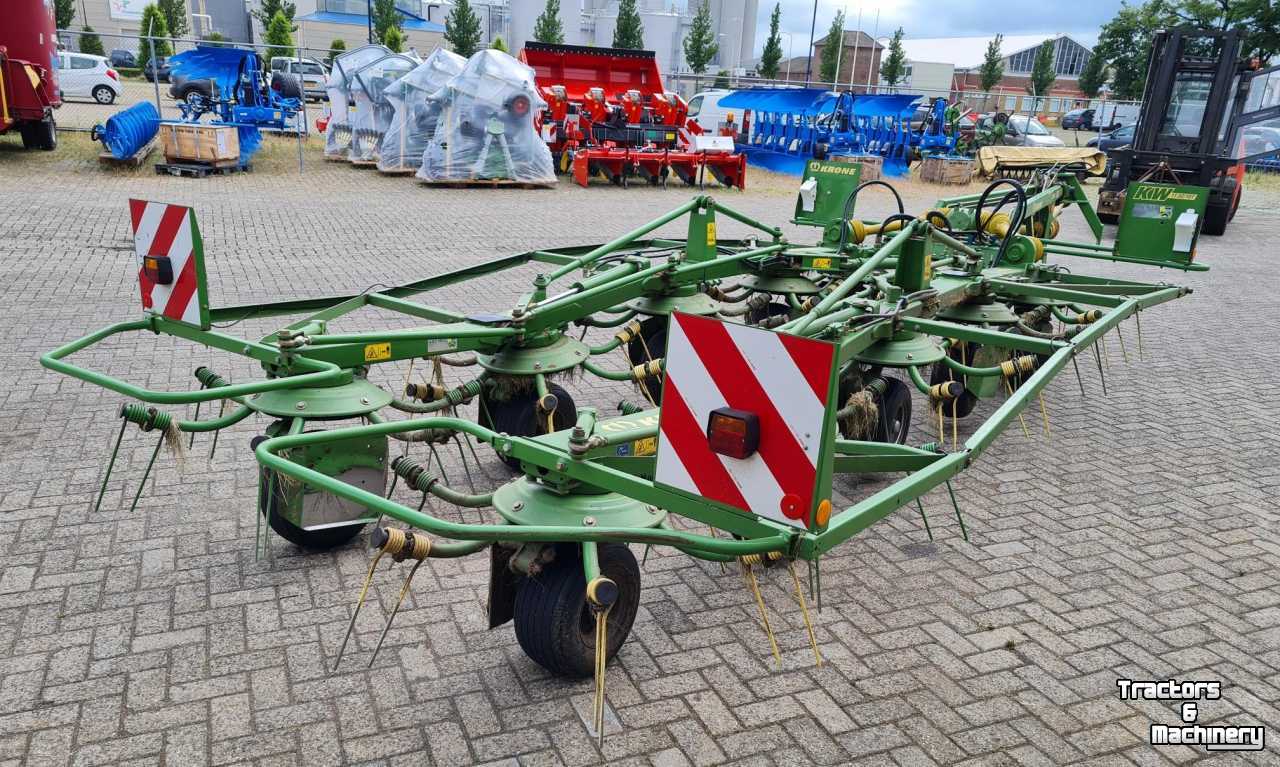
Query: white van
{"points": [[1110, 116], [705, 109]]}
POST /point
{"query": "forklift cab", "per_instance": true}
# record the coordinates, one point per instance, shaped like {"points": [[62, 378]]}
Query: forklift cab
{"points": [[1201, 119]]}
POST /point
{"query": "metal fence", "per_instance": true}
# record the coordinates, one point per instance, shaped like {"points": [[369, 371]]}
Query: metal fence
{"points": [[81, 110]]}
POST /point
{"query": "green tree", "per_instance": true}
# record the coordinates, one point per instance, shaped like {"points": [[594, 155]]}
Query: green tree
{"points": [[991, 70], [336, 49], [385, 17], [722, 79], [462, 29], [629, 31], [1042, 74], [393, 39], [548, 29], [1093, 76], [772, 54], [831, 53], [894, 68], [215, 38], [1125, 45], [279, 37], [175, 15], [153, 25], [499, 44], [700, 43], [64, 13], [90, 43], [267, 10]]}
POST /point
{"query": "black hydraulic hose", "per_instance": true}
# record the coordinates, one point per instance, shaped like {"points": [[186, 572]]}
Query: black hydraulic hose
{"points": [[848, 208], [1014, 224], [903, 217]]}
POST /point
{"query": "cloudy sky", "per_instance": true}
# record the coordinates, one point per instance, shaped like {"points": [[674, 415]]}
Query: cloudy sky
{"points": [[940, 18]]}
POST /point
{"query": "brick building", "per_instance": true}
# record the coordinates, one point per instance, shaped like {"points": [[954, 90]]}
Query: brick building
{"points": [[964, 56], [860, 58]]}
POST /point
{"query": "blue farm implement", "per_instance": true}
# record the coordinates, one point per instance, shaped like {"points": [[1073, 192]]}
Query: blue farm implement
{"points": [[785, 128]]}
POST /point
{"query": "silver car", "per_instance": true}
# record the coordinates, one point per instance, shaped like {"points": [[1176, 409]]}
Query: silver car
{"points": [[1022, 130]]}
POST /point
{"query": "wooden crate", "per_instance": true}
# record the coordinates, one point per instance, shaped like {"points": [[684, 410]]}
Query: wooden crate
{"points": [[872, 165], [198, 142], [946, 170]]}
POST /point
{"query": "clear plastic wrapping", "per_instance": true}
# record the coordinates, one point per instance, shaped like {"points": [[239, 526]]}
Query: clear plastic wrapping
{"points": [[414, 115], [337, 136], [485, 131], [373, 112]]}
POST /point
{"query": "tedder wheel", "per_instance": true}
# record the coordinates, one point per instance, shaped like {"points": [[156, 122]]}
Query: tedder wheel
{"points": [[554, 623], [316, 540], [653, 331], [519, 417], [894, 419]]}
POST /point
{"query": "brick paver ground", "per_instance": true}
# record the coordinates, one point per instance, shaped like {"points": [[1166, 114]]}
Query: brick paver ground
{"points": [[1139, 540]]}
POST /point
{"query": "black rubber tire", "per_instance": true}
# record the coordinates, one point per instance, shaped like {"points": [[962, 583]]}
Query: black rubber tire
{"points": [[654, 332], [894, 420], [1215, 219], [518, 416], [42, 135], [554, 625], [286, 85], [104, 95]]}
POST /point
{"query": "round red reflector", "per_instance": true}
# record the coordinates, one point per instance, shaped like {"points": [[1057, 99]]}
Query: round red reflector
{"points": [[520, 106], [791, 508]]}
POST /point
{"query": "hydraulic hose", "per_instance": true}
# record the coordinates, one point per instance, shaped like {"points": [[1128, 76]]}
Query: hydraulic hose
{"points": [[848, 208]]}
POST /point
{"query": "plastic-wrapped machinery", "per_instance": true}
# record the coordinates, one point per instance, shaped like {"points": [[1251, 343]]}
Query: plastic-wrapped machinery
{"points": [[415, 114], [337, 136], [486, 128], [373, 111]]}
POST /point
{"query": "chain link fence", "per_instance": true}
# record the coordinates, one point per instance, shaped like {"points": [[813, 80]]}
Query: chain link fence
{"points": [[90, 95]]}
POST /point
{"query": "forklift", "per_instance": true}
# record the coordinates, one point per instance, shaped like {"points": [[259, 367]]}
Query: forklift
{"points": [[1205, 113]]}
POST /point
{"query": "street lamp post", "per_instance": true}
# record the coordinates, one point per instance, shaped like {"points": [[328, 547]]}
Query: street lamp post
{"points": [[791, 40], [813, 26]]}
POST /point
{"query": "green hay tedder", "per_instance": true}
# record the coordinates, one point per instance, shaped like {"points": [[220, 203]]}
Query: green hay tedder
{"points": [[764, 367]]}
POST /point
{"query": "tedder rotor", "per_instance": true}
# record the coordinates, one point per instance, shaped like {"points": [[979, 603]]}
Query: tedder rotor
{"points": [[764, 368]]}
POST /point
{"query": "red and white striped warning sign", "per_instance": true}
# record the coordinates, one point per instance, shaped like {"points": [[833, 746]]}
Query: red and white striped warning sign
{"points": [[784, 380], [169, 231]]}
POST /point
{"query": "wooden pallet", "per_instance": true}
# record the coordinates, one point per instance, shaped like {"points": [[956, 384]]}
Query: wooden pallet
{"points": [[364, 163], [486, 183], [134, 160], [398, 171], [200, 169]]}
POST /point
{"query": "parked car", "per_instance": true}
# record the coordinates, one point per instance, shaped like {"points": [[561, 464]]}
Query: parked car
{"points": [[185, 89], [312, 73], [1114, 140], [121, 57], [1022, 130], [157, 68], [83, 76], [705, 109], [1112, 116], [1078, 119]]}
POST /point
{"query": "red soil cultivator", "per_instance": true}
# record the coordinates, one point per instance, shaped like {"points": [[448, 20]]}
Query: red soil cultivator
{"points": [[608, 115]]}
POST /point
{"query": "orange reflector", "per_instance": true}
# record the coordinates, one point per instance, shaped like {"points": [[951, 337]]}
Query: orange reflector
{"points": [[823, 515]]}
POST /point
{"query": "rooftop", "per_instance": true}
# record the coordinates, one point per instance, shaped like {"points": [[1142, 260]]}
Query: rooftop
{"points": [[968, 52]]}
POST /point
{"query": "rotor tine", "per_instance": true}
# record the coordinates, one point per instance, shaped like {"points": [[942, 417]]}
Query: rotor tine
{"points": [[111, 464], [364, 591], [465, 466]]}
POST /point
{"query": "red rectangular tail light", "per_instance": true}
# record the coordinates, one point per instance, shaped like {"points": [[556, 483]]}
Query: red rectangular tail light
{"points": [[735, 433]]}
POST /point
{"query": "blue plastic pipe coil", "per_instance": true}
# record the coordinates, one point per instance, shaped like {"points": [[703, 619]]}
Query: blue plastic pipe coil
{"points": [[129, 130]]}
